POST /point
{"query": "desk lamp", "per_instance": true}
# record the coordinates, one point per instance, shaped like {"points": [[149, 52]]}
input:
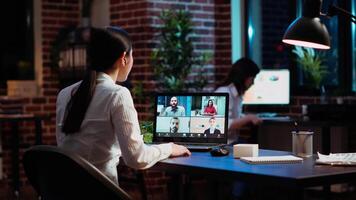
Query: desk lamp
{"points": [[308, 31]]}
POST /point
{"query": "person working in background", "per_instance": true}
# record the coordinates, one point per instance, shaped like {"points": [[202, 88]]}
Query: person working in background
{"points": [[174, 110], [96, 118], [238, 80], [210, 108]]}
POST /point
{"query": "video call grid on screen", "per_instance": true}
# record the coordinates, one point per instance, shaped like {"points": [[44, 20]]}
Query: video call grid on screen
{"points": [[271, 87], [191, 118]]}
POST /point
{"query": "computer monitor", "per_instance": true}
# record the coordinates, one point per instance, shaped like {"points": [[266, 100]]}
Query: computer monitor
{"points": [[271, 87]]}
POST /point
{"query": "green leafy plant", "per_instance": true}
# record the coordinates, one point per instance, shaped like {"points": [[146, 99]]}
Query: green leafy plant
{"points": [[147, 131], [312, 65], [173, 60]]}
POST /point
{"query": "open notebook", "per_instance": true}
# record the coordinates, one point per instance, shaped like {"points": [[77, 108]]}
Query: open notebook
{"points": [[272, 159]]}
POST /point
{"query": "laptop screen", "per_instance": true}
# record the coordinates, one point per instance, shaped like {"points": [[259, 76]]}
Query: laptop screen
{"points": [[191, 118]]}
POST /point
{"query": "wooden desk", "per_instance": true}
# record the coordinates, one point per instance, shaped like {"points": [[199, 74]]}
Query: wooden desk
{"points": [[14, 120], [293, 176]]}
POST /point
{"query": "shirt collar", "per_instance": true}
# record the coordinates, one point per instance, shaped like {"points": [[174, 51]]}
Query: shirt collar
{"points": [[101, 76]]}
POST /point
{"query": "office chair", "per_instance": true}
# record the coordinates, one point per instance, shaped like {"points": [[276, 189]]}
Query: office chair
{"points": [[58, 174]]}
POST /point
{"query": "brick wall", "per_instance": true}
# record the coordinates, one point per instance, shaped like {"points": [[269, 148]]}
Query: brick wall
{"points": [[222, 57], [141, 19], [56, 14]]}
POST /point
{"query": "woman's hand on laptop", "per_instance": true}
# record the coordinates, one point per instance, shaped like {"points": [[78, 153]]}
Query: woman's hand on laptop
{"points": [[179, 150]]}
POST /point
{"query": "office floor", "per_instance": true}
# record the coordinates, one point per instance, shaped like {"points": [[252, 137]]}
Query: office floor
{"points": [[28, 193]]}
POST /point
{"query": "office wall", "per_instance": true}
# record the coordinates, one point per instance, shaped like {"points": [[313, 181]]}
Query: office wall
{"points": [[54, 15], [211, 33]]}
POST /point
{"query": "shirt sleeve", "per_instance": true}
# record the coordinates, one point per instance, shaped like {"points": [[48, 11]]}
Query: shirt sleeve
{"points": [[135, 152], [231, 101]]}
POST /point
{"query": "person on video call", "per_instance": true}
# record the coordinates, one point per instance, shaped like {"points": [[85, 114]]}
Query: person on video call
{"points": [[210, 108], [96, 118], [174, 125], [212, 129], [174, 110], [237, 81]]}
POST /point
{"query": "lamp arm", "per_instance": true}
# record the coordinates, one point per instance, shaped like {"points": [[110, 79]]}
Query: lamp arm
{"points": [[334, 10]]}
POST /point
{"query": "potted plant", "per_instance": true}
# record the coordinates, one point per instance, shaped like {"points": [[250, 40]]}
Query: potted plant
{"points": [[174, 59], [147, 131], [311, 63]]}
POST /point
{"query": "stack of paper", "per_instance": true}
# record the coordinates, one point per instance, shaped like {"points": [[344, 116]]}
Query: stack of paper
{"points": [[337, 159], [287, 159]]}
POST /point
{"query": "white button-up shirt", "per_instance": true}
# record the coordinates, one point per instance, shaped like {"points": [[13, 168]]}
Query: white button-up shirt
{"points": [[110, 129], [235, 100], [235, 108]]}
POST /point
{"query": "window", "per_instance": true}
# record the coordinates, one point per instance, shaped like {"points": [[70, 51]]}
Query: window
{"points": [[331, 56], [16, 61], [353, 32], [264, 26]]}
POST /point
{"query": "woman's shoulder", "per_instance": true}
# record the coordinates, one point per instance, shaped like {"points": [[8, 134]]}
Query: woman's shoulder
{"points": [[120, 92], [69, 89], [223, 88]]}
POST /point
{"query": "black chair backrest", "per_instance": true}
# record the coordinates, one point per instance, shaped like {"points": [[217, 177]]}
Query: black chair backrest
{"points": [[58, 174]]}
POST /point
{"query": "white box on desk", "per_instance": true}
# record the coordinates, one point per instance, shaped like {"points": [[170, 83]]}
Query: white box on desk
{"points": [[245, 150]]}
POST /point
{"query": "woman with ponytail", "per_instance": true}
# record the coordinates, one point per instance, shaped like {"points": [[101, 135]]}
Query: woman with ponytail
{"points": [[238, 80], [96, 118]]}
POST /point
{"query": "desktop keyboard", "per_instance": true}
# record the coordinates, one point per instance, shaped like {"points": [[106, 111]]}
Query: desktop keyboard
{"points": [[272, 116], [266, 114]]}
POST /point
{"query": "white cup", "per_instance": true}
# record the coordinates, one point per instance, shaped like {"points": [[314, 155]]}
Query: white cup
{"points": [[302, 143]]}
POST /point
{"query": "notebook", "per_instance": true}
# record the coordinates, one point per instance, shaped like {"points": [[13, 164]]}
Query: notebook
{"points": [[287, 159], [196, 120]]}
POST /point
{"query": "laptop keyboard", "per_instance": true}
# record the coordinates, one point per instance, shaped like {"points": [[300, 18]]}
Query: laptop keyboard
{"points": [[199, 147]]}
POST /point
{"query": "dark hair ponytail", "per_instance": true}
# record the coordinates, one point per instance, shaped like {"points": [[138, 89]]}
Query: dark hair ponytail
{"points": [[104, 48], [78, 104]]}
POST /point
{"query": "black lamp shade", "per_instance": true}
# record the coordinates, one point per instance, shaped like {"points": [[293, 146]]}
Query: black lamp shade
{"points": [[307, 32]]}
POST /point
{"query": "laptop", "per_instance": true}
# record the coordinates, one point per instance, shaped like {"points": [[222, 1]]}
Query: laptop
{"points": [[186, 119]]}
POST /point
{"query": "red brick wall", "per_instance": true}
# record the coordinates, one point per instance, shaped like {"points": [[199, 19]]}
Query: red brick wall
{"points": [[56, 14], [222, 32], [140, 19]]}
